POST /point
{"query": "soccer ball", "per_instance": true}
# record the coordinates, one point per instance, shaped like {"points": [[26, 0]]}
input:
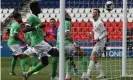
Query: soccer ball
{"points": [[109, 6]]}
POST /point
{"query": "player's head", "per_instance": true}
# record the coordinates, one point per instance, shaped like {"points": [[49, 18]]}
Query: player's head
{"points": [[53, 22], [35, 8], [67, 16], [96, 13], [17, 17]]}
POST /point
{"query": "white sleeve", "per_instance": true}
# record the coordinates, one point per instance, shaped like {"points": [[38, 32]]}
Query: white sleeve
{"points": [[103, 30], [101, 26]]}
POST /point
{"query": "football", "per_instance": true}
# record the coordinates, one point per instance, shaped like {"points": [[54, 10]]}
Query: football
{"points": [[109, 6]]}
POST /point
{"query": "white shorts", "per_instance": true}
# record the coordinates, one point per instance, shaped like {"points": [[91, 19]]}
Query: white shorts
{"points": [[42, 48], [29, 50], [70, 50], [98, 48], [16, 49]]}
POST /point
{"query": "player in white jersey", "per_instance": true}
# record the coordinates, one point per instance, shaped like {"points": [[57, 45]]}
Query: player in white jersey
{"points": [[100, 37]]}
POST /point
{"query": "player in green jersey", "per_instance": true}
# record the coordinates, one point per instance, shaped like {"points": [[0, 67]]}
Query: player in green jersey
{"points": [[71, 50], [13, 42], [42, 48]]}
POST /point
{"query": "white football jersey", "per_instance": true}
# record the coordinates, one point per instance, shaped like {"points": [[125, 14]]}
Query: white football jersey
{"points": [[98, 28]]}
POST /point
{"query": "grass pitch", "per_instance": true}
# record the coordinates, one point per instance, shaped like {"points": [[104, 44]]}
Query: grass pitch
{"points": [[111, 66]]}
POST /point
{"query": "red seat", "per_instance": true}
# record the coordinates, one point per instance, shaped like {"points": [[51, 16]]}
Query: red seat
{"points": [[89, 24], [75, 24], [82, 24]]}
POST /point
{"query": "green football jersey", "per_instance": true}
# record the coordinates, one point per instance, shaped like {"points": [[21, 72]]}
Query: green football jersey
{"points": [[37, 35], [67, 28], [27, 37], [14, 28]]}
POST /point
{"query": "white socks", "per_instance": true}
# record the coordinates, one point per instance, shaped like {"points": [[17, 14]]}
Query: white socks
{"points": [[90, 67], [99, 68]]}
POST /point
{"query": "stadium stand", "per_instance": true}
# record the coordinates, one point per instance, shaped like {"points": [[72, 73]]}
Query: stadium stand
{"points": [[80, 11]]}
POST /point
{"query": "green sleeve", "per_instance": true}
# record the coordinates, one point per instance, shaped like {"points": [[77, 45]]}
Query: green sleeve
{"points": [[17, 29], [67, 26], [30, 21]]}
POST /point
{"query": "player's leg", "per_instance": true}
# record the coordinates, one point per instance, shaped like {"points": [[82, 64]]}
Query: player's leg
{"points": [[68, 68], [54, 68], [42, 48], [54, 53], [13, 64], [98, 65], [17, 51], [69, 52], [83, 56], [92, 60], [75, 68]]}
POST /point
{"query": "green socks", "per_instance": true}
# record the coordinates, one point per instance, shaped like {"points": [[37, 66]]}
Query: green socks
{"points": [[23, 62], [54, 66], [84, 63], [13, 64], [68, 66], [38, 67]]}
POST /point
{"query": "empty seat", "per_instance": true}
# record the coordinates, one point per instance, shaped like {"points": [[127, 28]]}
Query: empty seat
{"points": [[104, 19], [101, 10], [119, 10], [85, 19], [102, 15], [121, 15], [89, 15], [108, 15], [81, 10], [5, 11], [69, 10], [113, 11], [46, 15], [71, 14], [45, 10], [130, 19], [48, 19], [75, 10], [79, 19], [131, 10], [117, 19], [53, 15], [11, 10], [105, 11], [42, 19], [74, 19], [111, 19], [114, 15], [57, 10], [77, 15], [58, 15], [87, 10], [51, 10], [83, 15]]}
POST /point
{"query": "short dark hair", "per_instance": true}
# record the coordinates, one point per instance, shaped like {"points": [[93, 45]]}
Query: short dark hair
{"points": [[34, 4], [52, 19], [97, 10], [16, 14]]}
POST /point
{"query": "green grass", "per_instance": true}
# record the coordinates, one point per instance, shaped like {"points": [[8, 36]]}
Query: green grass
{"points": [[111, 67]]}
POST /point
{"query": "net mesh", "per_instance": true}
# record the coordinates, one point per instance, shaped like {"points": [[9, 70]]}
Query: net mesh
{"points": [[81, 13]]}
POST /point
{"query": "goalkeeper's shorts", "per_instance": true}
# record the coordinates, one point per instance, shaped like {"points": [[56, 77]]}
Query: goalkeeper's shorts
{"points": [[98, 48]]}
